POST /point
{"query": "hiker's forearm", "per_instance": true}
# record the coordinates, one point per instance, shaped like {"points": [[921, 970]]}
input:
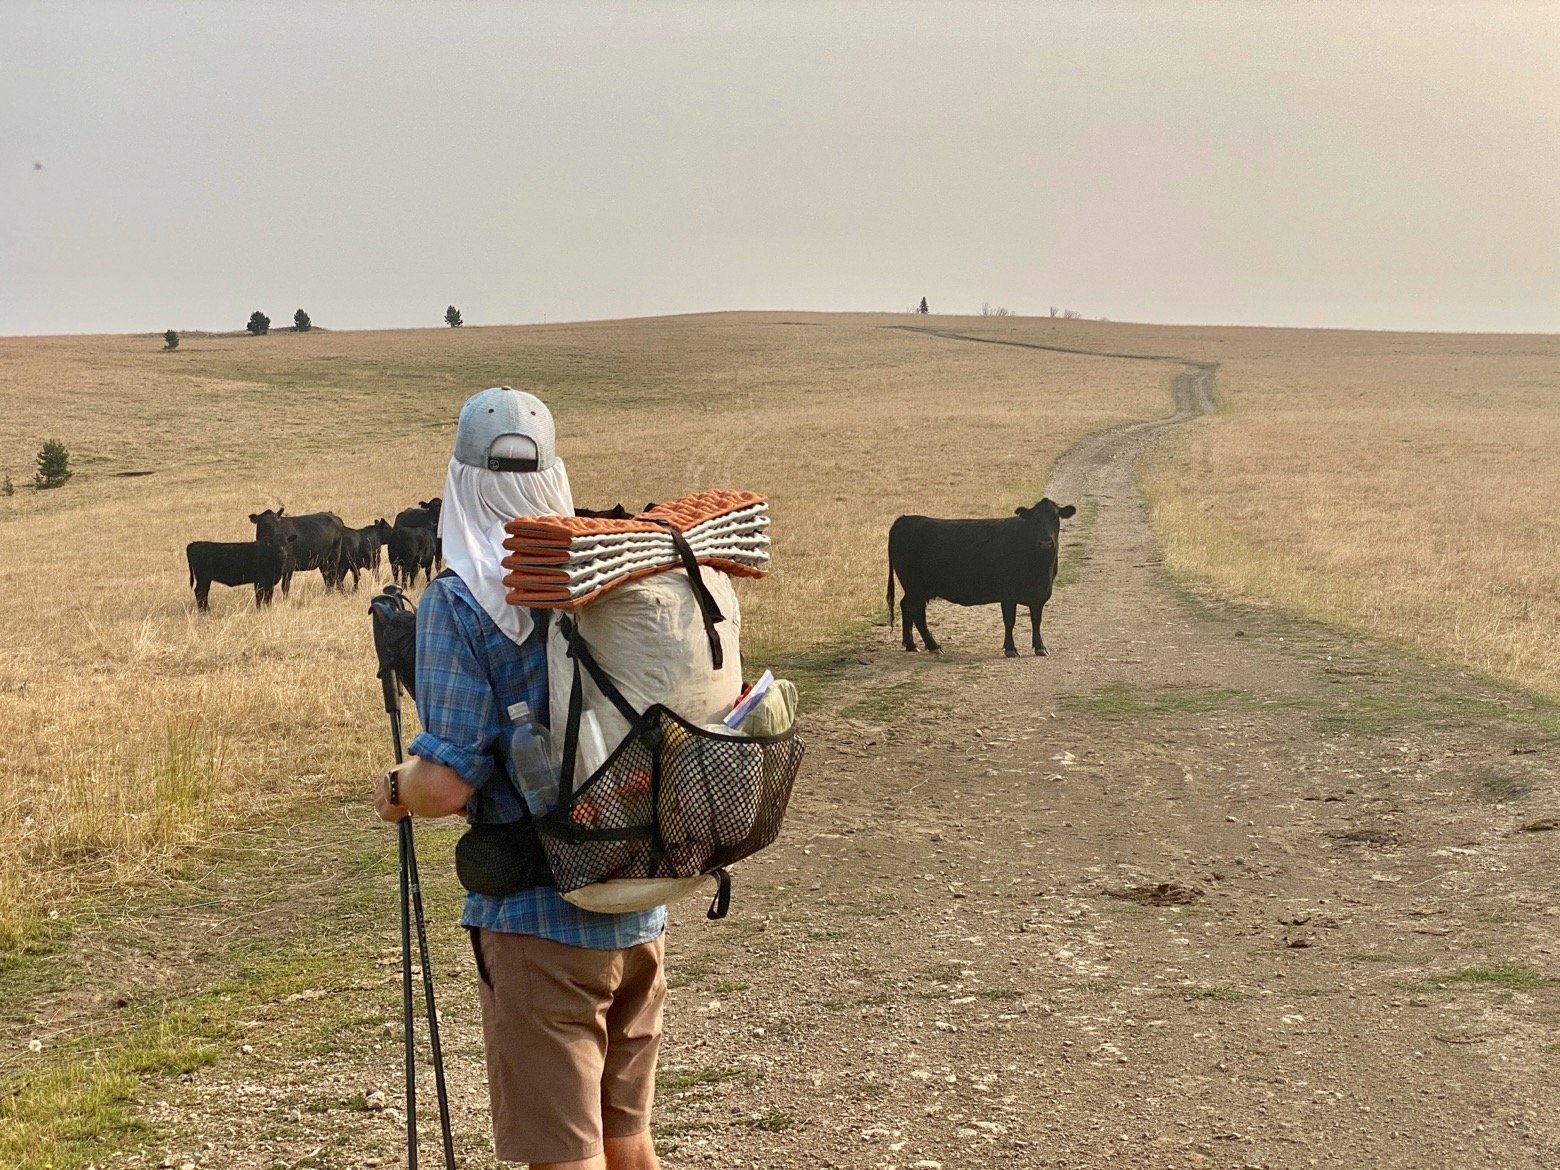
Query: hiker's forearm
{"points": [[428, 789]]}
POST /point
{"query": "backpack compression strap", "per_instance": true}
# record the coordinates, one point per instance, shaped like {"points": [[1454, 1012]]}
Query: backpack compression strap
{"points": [[709, 609]]}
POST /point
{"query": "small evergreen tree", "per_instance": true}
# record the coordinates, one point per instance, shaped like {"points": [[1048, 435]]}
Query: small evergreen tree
{"points": [[452, 317], [921, 308], [170, 340], [301, 322], [53, 465], [259, 323]]}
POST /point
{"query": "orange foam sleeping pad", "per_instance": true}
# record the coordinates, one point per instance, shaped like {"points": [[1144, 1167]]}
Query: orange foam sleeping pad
{"points": [[540, 545]]}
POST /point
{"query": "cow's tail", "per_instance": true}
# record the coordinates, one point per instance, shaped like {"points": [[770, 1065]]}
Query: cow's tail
{"points": [[891, 591]]}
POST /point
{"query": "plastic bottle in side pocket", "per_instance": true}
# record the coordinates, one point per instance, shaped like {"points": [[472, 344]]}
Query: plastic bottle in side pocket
{"points": [[531, 752]]}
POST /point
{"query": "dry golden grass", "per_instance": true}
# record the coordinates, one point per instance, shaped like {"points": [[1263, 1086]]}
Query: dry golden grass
{"points": [[140, 726], [1402, 485]]}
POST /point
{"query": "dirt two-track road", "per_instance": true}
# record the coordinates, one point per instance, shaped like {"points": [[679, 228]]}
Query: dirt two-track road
{"points": [[1204, 888]]}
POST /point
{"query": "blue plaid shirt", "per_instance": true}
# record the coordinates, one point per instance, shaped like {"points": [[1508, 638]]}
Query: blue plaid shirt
{"points": [[469, 673]]}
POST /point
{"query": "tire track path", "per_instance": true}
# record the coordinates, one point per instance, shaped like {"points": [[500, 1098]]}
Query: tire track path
{"points": [[1203, 889]]}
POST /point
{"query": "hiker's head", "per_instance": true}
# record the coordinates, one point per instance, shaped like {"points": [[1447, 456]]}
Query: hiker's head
{"points": [[506, 430], [505, 465]]}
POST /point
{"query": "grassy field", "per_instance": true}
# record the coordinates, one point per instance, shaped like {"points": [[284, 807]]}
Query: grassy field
{"points": [[1397, 484], [150, 726], [1403, 485]]}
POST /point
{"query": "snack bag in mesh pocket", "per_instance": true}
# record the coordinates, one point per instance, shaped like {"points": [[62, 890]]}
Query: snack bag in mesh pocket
{"points": [[711, 784]]}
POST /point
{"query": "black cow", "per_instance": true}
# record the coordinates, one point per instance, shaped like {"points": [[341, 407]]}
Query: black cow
{"points": [[413, 550], [410, 552], [424, 515], [310, 542], [248, 562], [976, 562], [360, 550]]}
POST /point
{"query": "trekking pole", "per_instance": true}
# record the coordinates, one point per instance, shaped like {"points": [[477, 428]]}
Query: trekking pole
{"points": [[389, 603]]}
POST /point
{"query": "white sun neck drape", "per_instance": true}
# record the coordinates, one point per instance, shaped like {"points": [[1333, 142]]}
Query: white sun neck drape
{"points": [[477, 505]]}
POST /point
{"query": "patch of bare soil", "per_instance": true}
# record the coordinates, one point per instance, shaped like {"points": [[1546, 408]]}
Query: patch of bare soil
{"points": [[1204, 888]]}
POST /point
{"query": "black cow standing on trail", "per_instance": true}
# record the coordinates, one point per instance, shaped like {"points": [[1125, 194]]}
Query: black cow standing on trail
{"points": [[1011, 562], [360, 550], [414, 542], [249, 562], [308, 542]]}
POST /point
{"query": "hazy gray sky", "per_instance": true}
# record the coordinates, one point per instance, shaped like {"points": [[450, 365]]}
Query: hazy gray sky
{"points": [[1372, 165]]}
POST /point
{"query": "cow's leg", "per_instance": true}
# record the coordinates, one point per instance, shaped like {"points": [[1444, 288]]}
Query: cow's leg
{"points": [[1034, 629], [263, 595], [286, 584], [906, 624], [926, 634], [202, 594], [1009, 616]]}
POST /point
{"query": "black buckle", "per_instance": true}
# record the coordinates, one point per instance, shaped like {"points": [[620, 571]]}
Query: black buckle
{"points": [[495, 463]]}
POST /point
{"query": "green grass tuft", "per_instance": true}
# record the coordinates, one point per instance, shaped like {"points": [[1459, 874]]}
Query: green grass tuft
{"points": [[681, 1080], [1509, 976]]}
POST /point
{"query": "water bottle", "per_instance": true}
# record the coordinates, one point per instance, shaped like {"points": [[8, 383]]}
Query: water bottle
{"points": [[531, 752]]}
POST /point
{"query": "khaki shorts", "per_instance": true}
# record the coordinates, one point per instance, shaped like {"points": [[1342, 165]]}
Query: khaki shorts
{"points": [[572, 1036]]}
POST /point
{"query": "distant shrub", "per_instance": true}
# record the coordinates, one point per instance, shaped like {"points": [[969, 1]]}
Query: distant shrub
{"points": [[7, 488], [987, 309], [53, 465], [259, 323], [170, 340], [452, 317], [301, 322]]}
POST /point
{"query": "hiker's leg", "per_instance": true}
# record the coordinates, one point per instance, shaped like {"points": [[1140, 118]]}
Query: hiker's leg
{"points": [[632, 1153], [624, 1153], [543, 1009], [633, 1043]]}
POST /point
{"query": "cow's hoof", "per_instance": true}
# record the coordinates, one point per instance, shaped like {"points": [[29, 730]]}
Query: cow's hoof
{"points": [[909, 649], [937, 650], [1010, 653], [1042, 652]]}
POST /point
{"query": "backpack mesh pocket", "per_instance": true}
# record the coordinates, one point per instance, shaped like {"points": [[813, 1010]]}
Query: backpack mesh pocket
{"points": [[674, 800]]}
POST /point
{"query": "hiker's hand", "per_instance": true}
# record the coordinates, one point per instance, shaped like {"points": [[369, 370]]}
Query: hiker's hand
{"points": [[387, 809]]}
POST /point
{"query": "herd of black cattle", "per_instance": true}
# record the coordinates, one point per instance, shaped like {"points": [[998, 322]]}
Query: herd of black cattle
{"points": [[1010, 561], [284, 545]]}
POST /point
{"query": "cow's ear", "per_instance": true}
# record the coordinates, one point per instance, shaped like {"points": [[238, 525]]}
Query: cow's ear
{"points": [[1020, 511], [1066, 510], [279, 511], [254, 517]]}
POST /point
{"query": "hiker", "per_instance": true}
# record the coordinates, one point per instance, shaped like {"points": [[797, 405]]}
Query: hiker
{"points": [[571, 1000]]}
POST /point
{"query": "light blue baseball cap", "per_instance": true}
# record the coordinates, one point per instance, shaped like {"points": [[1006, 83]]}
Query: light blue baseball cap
{"points": [[503, 429]]}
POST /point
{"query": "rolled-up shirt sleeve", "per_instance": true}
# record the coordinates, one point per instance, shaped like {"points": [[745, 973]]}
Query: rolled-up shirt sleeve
{"points": [[455, 698]]}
